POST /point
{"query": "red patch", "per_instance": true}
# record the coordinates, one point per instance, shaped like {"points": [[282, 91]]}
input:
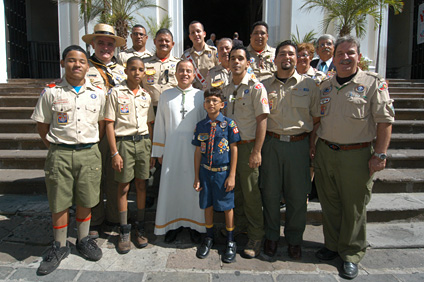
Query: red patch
{"points": [[99, 87], [264, 101], [51, 85], [259, 86], [235, 130]]}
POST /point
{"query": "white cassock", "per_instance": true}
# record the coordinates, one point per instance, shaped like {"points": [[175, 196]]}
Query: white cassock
{"points": [[178, 202]]}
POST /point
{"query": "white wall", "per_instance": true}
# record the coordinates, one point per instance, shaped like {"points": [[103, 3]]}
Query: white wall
{"points": [[3, 54]]}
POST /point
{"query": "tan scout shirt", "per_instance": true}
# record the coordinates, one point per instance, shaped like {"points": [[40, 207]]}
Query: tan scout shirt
{"points": [[97, 80], [291, 104], [123, 56], [73, 117], [350, 112], [130, 112], [160, 76], [316, 75], [216, 75], [262, 63], [207, 59], [249, 102]]}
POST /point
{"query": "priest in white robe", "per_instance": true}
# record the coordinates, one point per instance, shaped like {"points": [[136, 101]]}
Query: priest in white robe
{"points": [[179, 110]]}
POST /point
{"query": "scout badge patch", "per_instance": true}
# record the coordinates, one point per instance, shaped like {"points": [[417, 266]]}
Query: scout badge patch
{"points": [[383, 86], [360, 89], [223, 124], [203, 147], [62, 118], [125, 110], [217, 83], [203, 136]]}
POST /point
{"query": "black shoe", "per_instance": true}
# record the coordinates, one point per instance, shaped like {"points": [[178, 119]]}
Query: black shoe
{"points": [[195, 236], [282, 205], [55, 255], [326, 254], [230, 252], [349, 270], [150, 201], [203, 250], [171, 235], [88, 248]]}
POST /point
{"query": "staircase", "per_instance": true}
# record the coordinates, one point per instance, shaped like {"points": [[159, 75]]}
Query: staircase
{"points": [[398, 194]]}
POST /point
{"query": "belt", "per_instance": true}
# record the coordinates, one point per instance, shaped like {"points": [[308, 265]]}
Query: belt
{"points": [[288, 138], [245, 141], [77, 146], [215, 169], [347, 147], [133, 137]]}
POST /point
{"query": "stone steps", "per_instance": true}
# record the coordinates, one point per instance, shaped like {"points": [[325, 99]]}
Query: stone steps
{"points": [[408, 126], [409, 103], [21, 141], [405, 158], [18, 126], [18, 101], [16, 112], [409, 114], [407, 141], [22, 159]]}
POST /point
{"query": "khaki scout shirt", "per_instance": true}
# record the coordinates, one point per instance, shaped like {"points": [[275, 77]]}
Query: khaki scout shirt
{"points": [[262, 63], [350, 112], [249, 102], [291, 104], [97, 80], [159, 76], [219, 76], [207, 59], [130, 112], [316, 75], [73, 117], [123, 56]]}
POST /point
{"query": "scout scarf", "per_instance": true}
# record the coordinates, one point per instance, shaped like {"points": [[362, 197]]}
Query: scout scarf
{"points": [[105, 71]]}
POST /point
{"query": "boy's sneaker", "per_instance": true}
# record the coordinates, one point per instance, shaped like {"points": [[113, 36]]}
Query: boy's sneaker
{"points": [[141, 240], [55, 255], [252, 249], [230, 252], [124, 244], [88, 248]]}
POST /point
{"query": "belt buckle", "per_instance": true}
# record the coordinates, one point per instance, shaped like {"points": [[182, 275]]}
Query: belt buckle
{"points": [[134, 138], [334, 147], [285, 138]]}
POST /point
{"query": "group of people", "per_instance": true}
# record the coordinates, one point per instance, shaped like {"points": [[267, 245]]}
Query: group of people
{"points": [[255, 111]]}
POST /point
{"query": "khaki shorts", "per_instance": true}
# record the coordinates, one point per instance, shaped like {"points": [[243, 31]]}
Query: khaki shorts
{"points": [[136, 157], [72, 177]]}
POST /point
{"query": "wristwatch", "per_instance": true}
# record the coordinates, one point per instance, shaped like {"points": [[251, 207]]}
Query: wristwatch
{"points": [[381, 156]]}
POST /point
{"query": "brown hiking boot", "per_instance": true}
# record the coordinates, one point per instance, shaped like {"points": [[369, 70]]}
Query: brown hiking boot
{"points": [[124, 244], [141, 240], [252, 249]]}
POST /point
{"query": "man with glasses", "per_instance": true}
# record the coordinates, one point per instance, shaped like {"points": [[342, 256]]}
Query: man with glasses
{"points": [[261, 54], [139, 38], [219, 76], [325, 50]]}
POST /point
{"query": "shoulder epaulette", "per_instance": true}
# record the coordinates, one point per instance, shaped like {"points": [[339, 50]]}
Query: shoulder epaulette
{"points": [[51, 85], [99, 87], [374, 74]]}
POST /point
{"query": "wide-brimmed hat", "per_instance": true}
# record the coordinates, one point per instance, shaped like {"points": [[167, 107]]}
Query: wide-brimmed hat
{"points": [[104, 30]]}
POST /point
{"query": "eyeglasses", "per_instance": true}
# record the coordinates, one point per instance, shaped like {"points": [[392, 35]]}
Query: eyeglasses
{"points": [[138, 34], [303, 55], [213, 101]]}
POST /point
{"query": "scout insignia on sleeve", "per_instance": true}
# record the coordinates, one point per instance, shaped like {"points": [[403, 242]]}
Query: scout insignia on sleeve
{"points": [[249, 70], [203, 147], [264, 101], [62, 118], [360, 88], [125, 110], [93, 96], [383, 86], [217, 55], [235, 130], [42, 92], [223, 124], [217, 83], [232, 124], [259, 86], [324, 100], [203, 136], [252, 60]]}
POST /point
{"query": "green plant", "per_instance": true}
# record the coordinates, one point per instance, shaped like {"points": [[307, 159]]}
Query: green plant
{"points": [[154, 26], [307, 38]]}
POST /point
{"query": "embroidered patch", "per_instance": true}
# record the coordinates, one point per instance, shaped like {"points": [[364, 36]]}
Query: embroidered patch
{"points": [[306, 89], [249, 70], [232, 124], [203, 147], [62, 118], [235, 130], [327, 90], [203, 136], [271, 103], [323, 109], [93, 96], [264, 101], [143, 97], [150, 79], [360, 88], [259, 86], [42, 92], [125, 109], [252, 60], [324, 100], [110, 91], [223, 124], [246, 91], [383, 86], [209, 55]]}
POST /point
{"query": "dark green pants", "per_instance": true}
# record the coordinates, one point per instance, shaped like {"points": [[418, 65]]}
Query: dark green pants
{"points": [[247, 197], [285, 170], [344, 189]]}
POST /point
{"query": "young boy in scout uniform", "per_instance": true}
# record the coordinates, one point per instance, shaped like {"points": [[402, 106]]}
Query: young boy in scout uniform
{"points": [[129, 113], [215, 161], [69, 118]]}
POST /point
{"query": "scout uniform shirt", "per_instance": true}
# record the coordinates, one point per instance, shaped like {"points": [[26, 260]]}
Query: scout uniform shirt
{"points": [[349, 112], [245, 103], [262, 63], [291, 104], [159, 76], [123, 56], [130, 112], [316, 75], [218, 76], [203, 61], [226, 133], [97, 79], [73, 117]]}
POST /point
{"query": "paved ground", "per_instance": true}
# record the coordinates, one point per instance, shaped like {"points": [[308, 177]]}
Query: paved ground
{"points": [[395, 254]]}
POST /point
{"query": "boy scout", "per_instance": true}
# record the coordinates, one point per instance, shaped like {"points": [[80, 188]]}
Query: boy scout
{"points": [[128, 116], [69, 119], [248, 106], [215, 162]]}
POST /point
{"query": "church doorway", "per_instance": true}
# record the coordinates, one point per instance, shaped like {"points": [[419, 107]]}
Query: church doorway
{"points": [[223, 17]]}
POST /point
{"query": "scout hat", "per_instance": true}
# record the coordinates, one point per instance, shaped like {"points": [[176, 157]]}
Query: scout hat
{"points": [[106, 31]]}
